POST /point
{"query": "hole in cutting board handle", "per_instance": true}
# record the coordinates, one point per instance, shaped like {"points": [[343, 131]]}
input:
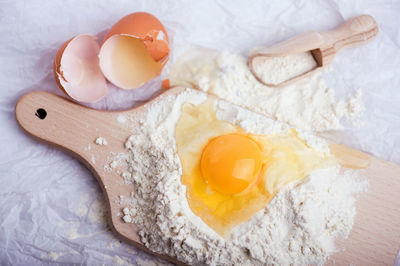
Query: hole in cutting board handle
{"points": [[41, 113]]}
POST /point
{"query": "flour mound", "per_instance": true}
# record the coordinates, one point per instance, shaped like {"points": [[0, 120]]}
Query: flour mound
{"points": [[308, 104], [298, 227]]}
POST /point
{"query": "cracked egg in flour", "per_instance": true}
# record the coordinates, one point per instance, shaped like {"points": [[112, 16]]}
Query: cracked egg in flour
{"points": [[231, 174]]}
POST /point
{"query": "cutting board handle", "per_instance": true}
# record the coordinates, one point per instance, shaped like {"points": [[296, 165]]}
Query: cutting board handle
{"points": [[355, 31], [74, 128], [57, 121]]}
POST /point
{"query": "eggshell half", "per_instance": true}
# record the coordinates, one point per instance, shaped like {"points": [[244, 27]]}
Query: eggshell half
{"points": [[77, 71], [134, 51]]}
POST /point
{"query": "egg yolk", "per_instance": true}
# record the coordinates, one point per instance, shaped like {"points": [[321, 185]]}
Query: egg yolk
{"points": [[231, 163]]}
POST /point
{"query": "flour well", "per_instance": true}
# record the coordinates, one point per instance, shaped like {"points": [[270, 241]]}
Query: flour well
{"points": [[308, 104], [278, 69], [299, 226]]}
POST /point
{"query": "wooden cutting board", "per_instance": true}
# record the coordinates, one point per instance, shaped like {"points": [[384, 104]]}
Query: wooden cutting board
{"points": [[374, 240]]}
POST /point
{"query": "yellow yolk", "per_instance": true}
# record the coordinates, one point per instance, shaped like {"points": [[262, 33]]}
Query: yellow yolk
{"points": [[231, 163], [230, 174]]}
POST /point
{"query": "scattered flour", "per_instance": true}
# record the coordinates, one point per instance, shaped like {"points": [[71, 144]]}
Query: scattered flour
{"points": [[275, 70], [92, 159], [128, 214], [120, 261], [83, 209], [54, 255], [94, 210], [101, 141], [307, 104], [113, 164], [121, 119], [141, 262], [298, 227], [98, 211]]}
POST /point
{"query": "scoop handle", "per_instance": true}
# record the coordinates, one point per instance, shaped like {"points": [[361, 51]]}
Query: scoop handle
{"points": [[356, 31]]}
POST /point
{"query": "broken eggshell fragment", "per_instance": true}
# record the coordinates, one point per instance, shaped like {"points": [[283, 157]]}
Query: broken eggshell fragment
{"points": [[77, 71], [134, 51]]}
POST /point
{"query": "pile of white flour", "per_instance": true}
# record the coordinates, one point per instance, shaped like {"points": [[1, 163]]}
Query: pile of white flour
{"points": [[307, 104], [299, 226]]}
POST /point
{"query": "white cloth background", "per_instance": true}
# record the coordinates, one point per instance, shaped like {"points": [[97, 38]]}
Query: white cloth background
{"points": [[50, 204]]}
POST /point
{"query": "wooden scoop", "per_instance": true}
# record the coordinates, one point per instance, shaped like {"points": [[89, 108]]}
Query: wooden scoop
{"points": [[322, 45], [74, 128]]}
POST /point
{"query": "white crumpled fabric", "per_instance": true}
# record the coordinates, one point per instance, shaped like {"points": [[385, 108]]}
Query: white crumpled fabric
{"points": [[51, 207]]}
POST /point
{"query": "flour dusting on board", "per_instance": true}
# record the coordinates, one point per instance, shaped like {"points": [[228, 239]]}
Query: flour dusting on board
{"points": [[101, 141], [308, 104], [299, 226]]}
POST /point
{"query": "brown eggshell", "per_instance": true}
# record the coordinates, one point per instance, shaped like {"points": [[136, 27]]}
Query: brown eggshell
{"points": [[134, 51], [146, 27]]}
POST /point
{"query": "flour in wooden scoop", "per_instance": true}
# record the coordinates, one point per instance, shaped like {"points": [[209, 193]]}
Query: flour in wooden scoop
{"points": [[299, 226], [278, 69]]}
